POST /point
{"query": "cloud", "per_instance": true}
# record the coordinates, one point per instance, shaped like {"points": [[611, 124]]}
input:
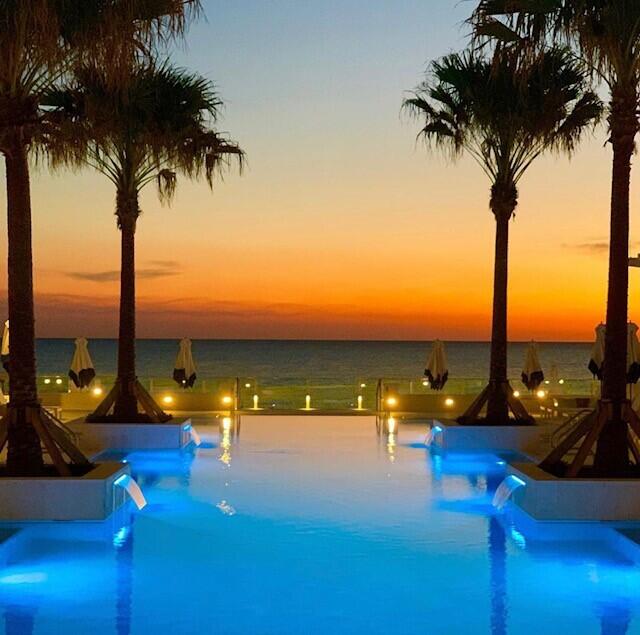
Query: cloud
{"points": [[595, 247], [158, 269]]}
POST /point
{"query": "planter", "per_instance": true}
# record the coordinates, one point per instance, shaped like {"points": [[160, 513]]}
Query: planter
{"points": [[97, 437], [93, 496], [544, 496], [448, 435]]}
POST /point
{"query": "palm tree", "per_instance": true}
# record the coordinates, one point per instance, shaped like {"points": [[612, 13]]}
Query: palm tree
{"points": [[159, 126], [606, 34], [40, 41], [503, 111]]}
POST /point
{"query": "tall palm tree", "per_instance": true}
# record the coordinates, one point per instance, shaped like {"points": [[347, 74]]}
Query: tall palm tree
{"points": [[158, 126], [504, 111], [40, 41], [606, 34]]}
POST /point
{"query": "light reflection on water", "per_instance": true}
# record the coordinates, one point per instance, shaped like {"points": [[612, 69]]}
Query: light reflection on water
{"points": [[328, 534]]}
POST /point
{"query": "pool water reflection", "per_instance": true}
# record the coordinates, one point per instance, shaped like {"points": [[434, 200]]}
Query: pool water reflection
{"points": [[335, 528]]}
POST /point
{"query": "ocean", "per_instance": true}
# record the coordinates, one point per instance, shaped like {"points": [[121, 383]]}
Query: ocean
{"points": [[340, 361]]}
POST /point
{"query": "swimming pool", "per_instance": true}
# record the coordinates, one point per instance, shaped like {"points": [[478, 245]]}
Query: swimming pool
{"points": [[317, 525]]}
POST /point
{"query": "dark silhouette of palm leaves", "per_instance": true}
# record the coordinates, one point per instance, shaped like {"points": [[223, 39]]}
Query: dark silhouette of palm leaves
{"points": [[158, 125], [507, 110]]}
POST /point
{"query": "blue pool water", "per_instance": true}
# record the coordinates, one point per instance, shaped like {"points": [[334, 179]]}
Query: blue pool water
{"points": [[317, 525]]}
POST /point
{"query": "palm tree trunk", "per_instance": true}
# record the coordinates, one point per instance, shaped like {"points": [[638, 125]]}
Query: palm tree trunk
{"points": [[126, 405], [612, 454], [24, 454], [503, 204]]}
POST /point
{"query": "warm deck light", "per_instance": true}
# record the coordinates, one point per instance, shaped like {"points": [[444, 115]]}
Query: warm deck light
{"points": [[561, 381], [255, 402], [307, 402], [167, 399], [392, 401], [227, 401], [449, 402], [247, 385], [359, 402], [47, 381], [363, 385], [97, 391], [58, 380], [516, 393], [541, 394], [425, 382]]}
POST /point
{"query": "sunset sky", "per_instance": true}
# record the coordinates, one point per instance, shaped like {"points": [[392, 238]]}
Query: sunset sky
{"points": [[341, 226]]}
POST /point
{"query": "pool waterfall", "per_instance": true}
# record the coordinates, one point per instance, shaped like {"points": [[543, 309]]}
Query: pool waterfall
{"points": [[506, 489], [128, 483], [431, 435]]}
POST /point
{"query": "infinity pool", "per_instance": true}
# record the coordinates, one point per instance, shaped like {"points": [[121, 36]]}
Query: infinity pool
{"points": [[317, 525]]}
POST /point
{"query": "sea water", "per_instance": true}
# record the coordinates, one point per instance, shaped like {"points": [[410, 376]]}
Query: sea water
{"points": [[339, 361]]}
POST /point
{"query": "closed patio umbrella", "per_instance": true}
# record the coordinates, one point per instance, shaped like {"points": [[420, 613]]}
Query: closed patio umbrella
{"points": [[532, 375], [597, 352], [4, 350], [184, 372], [437, 371], [633, 354], [81, 372]]}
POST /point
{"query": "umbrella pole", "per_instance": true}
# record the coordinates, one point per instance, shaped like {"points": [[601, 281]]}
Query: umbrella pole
{"points": [[53, 437], [472, 413], [150, 407], [589, 430]]}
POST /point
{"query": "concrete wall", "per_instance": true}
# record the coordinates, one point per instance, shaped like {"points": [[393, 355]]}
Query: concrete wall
{"points": [[545, 497], [89, 497]]}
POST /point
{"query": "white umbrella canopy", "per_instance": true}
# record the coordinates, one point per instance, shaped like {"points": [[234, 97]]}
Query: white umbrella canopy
{"points": [[633, 353], [532, 375], [437, 371], [597, 352], [184, 372], [4, 350], [82, 371]]}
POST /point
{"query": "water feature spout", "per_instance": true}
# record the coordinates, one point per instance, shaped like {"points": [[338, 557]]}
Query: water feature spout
{"points": [[506, 489], [195, 437], [431, 435], [127, 483]]}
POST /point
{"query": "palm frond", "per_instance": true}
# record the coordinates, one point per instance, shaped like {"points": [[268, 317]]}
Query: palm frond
{"points": [[505, 110]]}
